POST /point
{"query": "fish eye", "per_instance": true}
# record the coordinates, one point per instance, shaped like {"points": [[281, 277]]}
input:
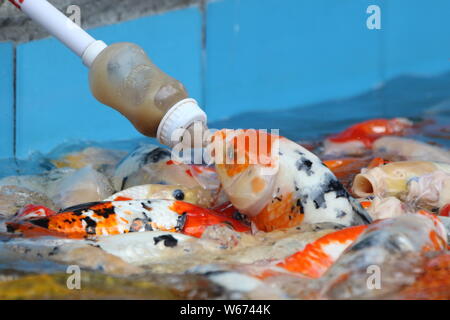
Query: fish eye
{"points": [[178, 194]]}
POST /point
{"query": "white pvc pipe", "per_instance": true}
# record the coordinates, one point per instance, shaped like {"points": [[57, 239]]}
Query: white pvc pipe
{"points": [[57, 24]]}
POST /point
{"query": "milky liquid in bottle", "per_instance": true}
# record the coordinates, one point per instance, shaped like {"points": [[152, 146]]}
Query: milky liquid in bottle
{"points": [[123, 77]]}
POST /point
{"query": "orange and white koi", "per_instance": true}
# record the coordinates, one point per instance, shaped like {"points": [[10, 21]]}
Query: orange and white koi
{"points": [[359, 138], [287, 185], [383, 244], [392, 179], [315, 259], [117, 217]]}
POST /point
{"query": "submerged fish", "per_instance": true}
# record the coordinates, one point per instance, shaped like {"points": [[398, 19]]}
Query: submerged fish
{"points": [[116, 217], [83, 185], [359, 138], [345, 169], [385, 246], [392, 179], [98, 158], [150, 164], [398, 148], [280, 184]]}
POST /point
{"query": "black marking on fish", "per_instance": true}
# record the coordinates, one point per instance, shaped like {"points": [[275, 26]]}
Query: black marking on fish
{"points": [[105, 212], [239, 216], [368, 241], [91, 225], [304, 164], [10, 228], [316, 228], [146, 216], [213, 273], [146, 207], [340, 214], [336, 186], [43, 222], [178, 194], [181, 221], [361, 216], [280, 198], [54, 251], [124, 181], [300, 206], [81, 207], [319, 201], [169, 240], [157, 155], [148, 227]]}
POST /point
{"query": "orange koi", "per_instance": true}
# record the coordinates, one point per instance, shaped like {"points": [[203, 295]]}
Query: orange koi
{"points": [[369, 131], [315, 259]]}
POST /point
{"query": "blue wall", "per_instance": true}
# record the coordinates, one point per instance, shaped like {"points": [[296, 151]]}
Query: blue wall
{"points": [[6, 100], [258, 55]]}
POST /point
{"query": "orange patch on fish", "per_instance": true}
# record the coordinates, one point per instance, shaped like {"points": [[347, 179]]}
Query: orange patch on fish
{"points": [[198, 219], [315, 259], [281, 213], [121, 198], [258, 184], [368, 131], [433, 283]]}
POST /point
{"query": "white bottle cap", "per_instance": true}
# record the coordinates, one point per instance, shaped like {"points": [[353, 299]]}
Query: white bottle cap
{"points": [[180, 116], [92, 52]]}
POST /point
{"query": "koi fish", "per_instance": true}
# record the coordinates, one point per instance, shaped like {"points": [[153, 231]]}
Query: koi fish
{"points": [[98, 158], [117, 217], [198, 196], [345, 169], [360, 137], [398, 148], [315, 259], [430, 191], [384, 244], [392, 179], [384, 208], [83, 185], [150, 164], [433, 283], [286, 186]]}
